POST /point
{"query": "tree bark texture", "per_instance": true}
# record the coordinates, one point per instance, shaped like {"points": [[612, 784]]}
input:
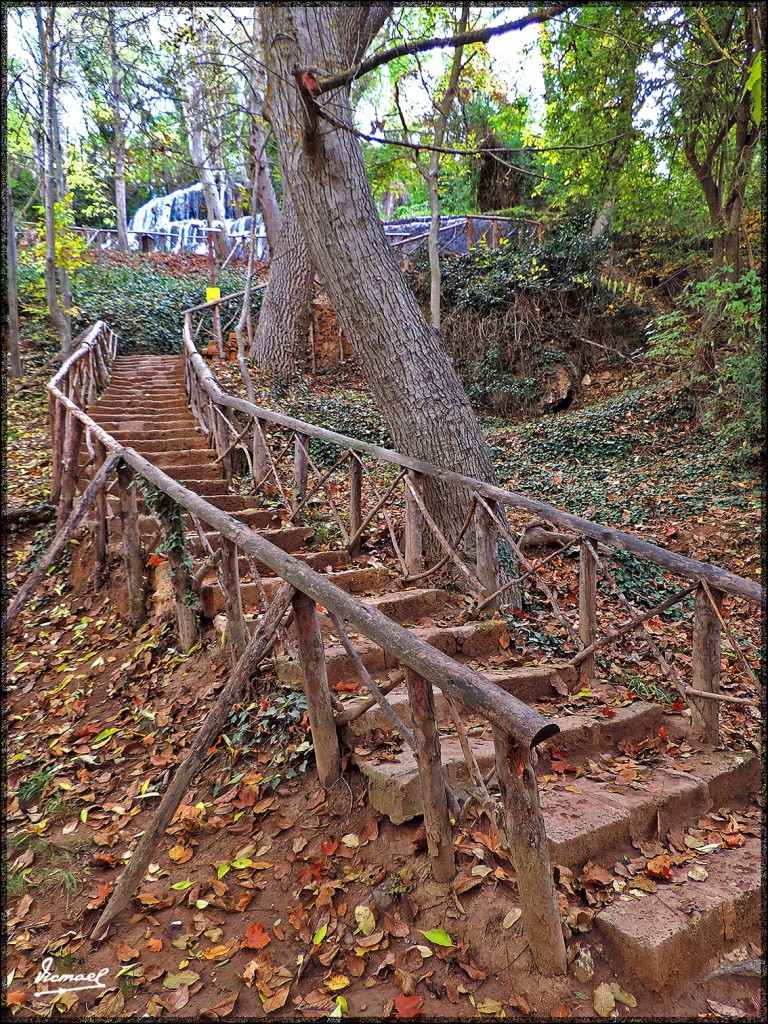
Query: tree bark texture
{"points": [[258, 165], [45, 34], [280, 344], [411, 378]]}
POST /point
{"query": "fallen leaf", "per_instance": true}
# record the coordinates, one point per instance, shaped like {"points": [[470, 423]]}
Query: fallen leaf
{"points": [[603, 1000], [621, 996], [277, 1000], [255, 937], [489, 1006], [365, 919], [126, 952], [512, 917], [408, 1006], [183, 978], [438, 936]]}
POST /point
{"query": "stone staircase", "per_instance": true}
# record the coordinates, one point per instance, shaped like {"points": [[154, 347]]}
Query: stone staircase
{"points": [[607, 781]]}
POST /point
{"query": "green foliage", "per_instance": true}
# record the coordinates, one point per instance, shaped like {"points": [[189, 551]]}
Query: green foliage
{"points": [[347, 412], [140, 301]]}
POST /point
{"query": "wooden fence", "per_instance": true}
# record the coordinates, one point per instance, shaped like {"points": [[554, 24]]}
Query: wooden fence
{"points": [[517, 728], [276, 454]]}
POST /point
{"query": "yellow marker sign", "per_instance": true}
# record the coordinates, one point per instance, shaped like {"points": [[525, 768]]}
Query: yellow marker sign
{"points": [[212, 293]]}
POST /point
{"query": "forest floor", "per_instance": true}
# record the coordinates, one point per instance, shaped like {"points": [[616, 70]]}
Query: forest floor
{"points": [[251, 909]]}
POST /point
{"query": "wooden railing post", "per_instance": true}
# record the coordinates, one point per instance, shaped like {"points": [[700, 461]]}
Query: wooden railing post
{"points": [[487, 547], [527, 842], [414, 525], [494, 234], [58, 426], [587, 606], [355, 501], [72, 436], [436, 820], [260, 452], [314, 673], [300, 470], [707, 636], [132, 554], [100, 527], [230, 574], [470, 238], [181, 579]]}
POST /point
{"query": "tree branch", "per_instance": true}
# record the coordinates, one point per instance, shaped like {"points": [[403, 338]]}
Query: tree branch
{"points": [[463, 39]]}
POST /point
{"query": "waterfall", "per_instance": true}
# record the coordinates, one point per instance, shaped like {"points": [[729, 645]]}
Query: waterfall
{"points": [[178, 223]]}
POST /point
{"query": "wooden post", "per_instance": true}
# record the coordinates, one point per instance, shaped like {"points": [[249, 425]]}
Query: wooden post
{"points": [[707, 634], [57, 448], [587, 606], [436, 820], [494, 234], [217, 336], [414, 523], [319, 707], [470, 238], [70, 453], [300, 470], [487, 547], [527, 841], [100, 526], [260, 456], [186, 619], [230, 573], [132, 554], [355, 501]]}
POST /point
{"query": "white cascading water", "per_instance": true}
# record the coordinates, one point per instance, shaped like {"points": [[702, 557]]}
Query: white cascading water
{"points": [[177, 223]]}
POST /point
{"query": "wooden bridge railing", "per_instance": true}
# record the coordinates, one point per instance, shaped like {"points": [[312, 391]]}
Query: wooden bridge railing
{"points": [[517, 728], [280, 456]]}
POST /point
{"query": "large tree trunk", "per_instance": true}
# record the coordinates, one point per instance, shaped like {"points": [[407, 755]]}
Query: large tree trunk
{"points": [[118, 135], [47, 93], [14, 357], [280, 342], [411, 378]]}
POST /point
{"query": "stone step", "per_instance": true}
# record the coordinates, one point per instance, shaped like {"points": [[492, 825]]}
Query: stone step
{"points": [[131, 438], [530, 683], [671, 935], [471, 640], [141, 427], [288, 538], [257, 519], [121, 409], [354, 581], [405, 606], [180, 469], [596, 822]]}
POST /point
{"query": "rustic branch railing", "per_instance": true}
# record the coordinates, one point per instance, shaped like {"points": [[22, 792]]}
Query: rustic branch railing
{"points": [[517, 727], [258, 433]]}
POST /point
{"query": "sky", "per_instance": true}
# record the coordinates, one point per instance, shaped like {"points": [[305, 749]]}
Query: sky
{"points": [[511, 63]]}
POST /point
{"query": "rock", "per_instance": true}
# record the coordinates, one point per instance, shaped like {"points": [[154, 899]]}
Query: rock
{"points": [[583, 967], [559, 389]]}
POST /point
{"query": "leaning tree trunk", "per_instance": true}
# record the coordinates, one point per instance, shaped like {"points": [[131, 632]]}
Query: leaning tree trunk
{"points": [[280, 343], [410, 376]]}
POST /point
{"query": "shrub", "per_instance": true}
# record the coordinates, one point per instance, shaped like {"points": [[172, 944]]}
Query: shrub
{"points": [[140, 302]]}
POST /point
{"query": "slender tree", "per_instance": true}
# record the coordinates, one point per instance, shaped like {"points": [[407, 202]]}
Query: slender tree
{"points": [[48, 42], [15, 365]]}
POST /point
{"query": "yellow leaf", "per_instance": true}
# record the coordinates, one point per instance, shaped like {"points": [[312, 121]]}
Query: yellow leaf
{"points": [[604, 1000], [365, 919], [336, 983]]}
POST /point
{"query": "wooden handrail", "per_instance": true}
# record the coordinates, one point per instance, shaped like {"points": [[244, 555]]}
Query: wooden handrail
{"points": [[688, 568], [503, 710]]}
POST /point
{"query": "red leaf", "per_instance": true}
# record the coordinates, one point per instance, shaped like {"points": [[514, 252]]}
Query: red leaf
{"points": [[329, 846], [310, 83], [408, 1006], [245, 798], [154, 560], [102, 891], [255, 937], [608, 712], [345, 687], [663, 733]]}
